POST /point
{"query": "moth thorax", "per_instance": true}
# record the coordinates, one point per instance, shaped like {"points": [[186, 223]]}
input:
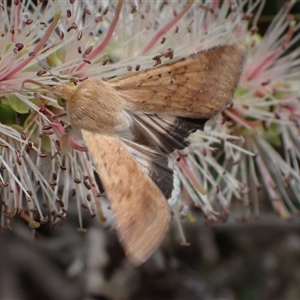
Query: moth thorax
{"points": [[95, 106]]}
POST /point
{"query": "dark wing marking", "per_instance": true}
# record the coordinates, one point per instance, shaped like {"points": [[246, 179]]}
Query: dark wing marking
{"points": [[159, 167], [164, 132]]}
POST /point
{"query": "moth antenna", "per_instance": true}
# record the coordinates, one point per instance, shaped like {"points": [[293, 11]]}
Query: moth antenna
{"points": [[48, 70], [48, 88], [42, 85]]}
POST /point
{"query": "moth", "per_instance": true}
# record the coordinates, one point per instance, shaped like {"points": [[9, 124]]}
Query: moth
{"points": [[132, 124]]}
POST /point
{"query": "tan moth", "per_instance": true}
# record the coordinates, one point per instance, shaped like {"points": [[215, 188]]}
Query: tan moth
{"points": [[131, 126]]}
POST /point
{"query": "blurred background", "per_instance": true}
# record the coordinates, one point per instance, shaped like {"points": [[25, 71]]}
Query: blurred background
{"points": [[257, 259]]}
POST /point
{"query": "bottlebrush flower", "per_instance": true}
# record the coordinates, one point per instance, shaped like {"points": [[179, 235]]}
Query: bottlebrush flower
{"points": [[258, 141], [70, 42]]}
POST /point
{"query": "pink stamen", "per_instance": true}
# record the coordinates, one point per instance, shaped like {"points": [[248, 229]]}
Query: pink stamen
{"points": [[163, 31], [239, 119], [210, 18], [61, 130], [77, 147], [17, 20], [270, 187], [190, 175], [262, 66], [95, 193], [110, 32], [36, 49], [273, 55]]}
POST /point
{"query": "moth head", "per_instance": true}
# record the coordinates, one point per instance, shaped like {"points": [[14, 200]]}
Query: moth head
{"points": [[62, 102], [63, 93]]}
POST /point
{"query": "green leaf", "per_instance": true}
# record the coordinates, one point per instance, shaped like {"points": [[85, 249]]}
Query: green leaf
{"points": [[17, 104], [7, 114], [46, 144]]}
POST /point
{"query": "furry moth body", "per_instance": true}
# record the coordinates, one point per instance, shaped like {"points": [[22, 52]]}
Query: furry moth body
{"points": [[130, 124]]}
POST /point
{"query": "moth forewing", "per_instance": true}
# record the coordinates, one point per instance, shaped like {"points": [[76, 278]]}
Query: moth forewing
{"points": [[141, 211], [200, 85]]}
